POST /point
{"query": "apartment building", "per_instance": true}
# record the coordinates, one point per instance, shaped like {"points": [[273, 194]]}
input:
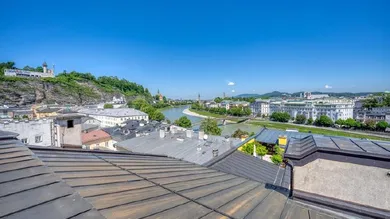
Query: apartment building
{"points": [[333, 108], [32, 132], [114, 117], [260, 107]]}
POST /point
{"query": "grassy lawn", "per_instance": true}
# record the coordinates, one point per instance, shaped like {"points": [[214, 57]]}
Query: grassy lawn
{"points": [[205, 113], [284, 126]]}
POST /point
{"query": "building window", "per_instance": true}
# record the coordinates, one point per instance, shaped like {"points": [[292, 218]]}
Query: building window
{"points": [[24, 140], [38, 139], [70, 123]]}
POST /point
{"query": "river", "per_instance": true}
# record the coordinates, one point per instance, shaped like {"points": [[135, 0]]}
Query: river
{"points": [[177, 112]]}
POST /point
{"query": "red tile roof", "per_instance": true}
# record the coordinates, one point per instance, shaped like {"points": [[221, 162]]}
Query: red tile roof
{"points": [[95, 135]]}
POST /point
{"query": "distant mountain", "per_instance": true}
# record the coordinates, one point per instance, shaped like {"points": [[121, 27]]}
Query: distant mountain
{"points": [[276, 94], [248, 95]]}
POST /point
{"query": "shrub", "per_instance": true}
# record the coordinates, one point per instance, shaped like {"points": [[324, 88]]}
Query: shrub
{"points": [[280, 116], [324, 121], [300, 119], [108, 106], [210, 126], [277, 159], [183, 122], [260, 149], [239, 133]]}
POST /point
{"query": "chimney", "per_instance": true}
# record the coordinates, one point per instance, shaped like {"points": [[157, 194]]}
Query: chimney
{"points": [[189, 133], [201, 135], [162, 133]]}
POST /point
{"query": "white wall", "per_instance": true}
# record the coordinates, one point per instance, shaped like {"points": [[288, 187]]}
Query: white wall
{"points": [[360, 184], [108, 121], [31, 129]]}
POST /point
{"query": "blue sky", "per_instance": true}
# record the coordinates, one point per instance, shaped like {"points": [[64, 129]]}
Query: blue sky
{"points": [[188, 47]]}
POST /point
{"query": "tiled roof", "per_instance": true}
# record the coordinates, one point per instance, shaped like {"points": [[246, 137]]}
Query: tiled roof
{"points": [[43, 182], [94, 135]]}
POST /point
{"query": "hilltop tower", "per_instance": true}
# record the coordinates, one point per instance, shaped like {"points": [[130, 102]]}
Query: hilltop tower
{"points": [[44, 65], [198, 98]]}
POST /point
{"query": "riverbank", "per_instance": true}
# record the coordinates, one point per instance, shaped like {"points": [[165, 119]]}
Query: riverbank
{"points": [[190, 113]]}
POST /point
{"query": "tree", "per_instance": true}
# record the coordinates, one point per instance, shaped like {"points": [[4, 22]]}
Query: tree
{"points": [[300, 119], [6, 65], [260, 149], [28, 68], [370, 124], [350, 123], [277, 159], [310, 121], [25, 116], [210, 126], [278, 150], [239, 133], [247, 111], [168, 121], [148, 109], [183, 122], [138, 103], [370, 103], [324, 121], [157, 115], [381, 125], [39, 69], [340, 122], [108, 106], [280, 116], [165, 99], [218, 99]]}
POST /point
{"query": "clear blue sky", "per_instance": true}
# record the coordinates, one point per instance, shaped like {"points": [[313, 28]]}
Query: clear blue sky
{"points": [[186, 47]]}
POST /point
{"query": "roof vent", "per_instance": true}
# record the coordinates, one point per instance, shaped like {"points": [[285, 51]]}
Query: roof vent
{"points": [[162, 133], [189, 133], [215, 152], [201, 135]]}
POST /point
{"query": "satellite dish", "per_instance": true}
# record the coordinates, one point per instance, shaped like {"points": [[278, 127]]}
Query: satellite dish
{"points": [[205, 137]]}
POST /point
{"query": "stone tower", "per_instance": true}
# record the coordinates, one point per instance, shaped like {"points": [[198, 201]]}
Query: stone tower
{"points": [[44, 65]]}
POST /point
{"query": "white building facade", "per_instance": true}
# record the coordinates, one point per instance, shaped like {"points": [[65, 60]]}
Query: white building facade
{"points": [[114, 117], [47, 73], [32, 132], [333, 108], [261, 107]]}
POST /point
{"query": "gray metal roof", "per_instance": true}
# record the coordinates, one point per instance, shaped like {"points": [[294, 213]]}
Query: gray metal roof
{"points": [[244, 165], [43, 182], [299, 147], [186, 149], [30, 189], [271, 136]]}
